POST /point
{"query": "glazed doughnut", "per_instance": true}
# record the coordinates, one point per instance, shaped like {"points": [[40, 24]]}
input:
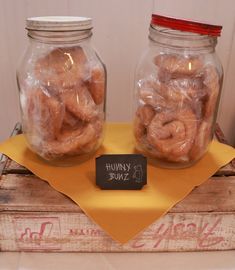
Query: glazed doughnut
{"points": [[185, 89], [93, 144], [189, 91], [178, 65], [153, 97], [97, 85], [72, 142], [139, 129], [44, 114], [172, 94], [140, 133], [146, 114], [70, 121], [204, 136], [62, 68], [211, 82], [172, 133], [79, 102]]}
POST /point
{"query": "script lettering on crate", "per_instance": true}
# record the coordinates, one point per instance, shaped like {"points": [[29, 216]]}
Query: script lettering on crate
{"points": [[37, 233], [84, 232], [204, 235], [43, 233]]}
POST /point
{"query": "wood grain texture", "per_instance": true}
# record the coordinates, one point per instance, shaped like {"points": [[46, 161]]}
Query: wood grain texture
{"points": [[74, 232], [11, 167], [28, 193]]}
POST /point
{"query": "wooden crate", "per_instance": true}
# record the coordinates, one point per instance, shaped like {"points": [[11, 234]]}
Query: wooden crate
{"points": [[35, 217]]}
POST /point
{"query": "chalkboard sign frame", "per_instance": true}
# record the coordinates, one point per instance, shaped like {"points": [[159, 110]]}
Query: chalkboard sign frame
{"points": [[121, 171]]}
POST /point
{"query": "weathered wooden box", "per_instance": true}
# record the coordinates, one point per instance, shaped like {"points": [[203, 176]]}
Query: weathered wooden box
{"points": [[35, 217]]}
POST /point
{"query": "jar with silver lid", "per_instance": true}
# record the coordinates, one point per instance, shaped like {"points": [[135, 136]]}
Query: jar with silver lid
{"points": [[62, 83]]}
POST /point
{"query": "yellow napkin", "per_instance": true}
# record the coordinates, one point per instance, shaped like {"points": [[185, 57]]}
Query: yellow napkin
{"points": [[122, 214]]}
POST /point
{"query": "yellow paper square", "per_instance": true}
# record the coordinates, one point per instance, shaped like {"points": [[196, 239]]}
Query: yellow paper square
{"points": [[121, 213]]}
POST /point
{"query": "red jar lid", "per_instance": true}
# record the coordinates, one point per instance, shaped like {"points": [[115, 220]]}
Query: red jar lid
{"points": [[187, 26]]}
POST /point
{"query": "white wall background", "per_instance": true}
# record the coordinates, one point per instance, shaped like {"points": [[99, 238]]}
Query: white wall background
{"points": [[120, 35]]}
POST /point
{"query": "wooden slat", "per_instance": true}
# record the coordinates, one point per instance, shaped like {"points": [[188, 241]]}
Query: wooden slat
{"points": [[75, 232], [216, 194], [28, 193], [228, 170], [4, 160], [11, 167]]}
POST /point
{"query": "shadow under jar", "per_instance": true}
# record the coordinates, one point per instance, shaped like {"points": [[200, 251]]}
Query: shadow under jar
{"points": [[177, 88], [62, 83]]}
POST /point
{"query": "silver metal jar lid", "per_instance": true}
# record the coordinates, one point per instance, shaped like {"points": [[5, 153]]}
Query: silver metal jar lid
{"points": [[58, 23]]}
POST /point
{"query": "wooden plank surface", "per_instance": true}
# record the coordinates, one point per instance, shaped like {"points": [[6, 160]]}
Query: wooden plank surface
{"points": [[11, 167], [71, 232], [28, 193]]}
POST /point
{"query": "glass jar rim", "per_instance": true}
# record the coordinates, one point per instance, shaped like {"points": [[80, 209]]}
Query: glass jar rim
{"points": [[177, 34], [58, 23], [181, 40], [186, 25]]}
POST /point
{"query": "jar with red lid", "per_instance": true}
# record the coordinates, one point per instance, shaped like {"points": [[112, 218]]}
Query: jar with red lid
{"points": [[62, 83], [177, 88]]}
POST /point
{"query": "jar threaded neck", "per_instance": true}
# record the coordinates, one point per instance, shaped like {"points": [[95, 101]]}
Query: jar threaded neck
{"points": [[59, 36], [180, 40]]}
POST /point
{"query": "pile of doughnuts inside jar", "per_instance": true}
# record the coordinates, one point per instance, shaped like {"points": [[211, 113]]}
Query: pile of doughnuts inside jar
{"points": [[63, 103], [176, 106]]}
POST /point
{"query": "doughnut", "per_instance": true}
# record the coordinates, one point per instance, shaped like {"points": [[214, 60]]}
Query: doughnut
{"points": [[212, 85], [79, 102], [62, 68], [153, 97], [189, 91], [143, 118], [83, 139], [70, 121], [139, 130], [97, 85], [178, 65], [44, 114], [146, 114], [93, 144], [172, 133], [204, 136], [184, 89]]}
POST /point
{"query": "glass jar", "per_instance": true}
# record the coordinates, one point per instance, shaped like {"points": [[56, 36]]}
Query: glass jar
{"points": [[177, 88], [62, 83]]}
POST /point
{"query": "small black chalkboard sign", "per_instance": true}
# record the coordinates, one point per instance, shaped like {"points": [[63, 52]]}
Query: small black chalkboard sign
{"points": [[126, 171]]}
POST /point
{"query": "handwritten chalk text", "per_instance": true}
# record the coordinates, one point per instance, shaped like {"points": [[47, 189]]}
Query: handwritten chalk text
{"points": [[125, 167]]}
